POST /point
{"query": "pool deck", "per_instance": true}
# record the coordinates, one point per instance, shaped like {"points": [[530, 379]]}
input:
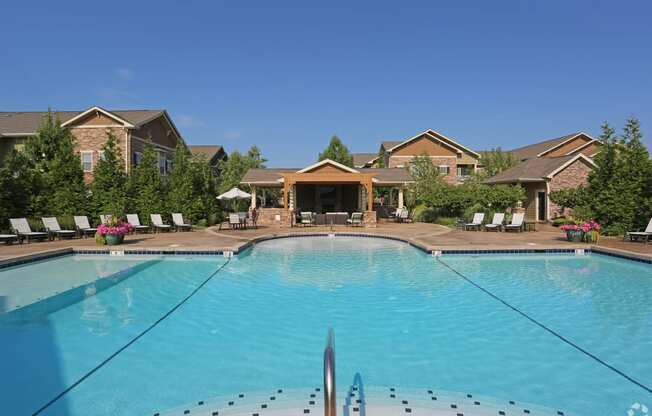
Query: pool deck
{"points": [[430, 237]]}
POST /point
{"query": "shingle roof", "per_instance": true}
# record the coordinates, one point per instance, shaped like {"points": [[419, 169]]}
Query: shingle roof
{"points": [[361, 159], [388, 144], [263, 176], [531, 170], [27, 122], [208, 150], [272, 176], [532, 150]]}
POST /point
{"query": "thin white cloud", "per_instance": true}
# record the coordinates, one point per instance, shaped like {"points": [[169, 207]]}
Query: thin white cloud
{"points": [[124, 73]]}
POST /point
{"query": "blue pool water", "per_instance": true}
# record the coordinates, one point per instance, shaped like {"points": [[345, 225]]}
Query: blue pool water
{"points": [[401, 318]]}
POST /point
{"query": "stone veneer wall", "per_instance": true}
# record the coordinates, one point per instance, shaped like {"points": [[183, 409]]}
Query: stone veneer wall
{"points": [[92, 139], [575, 175]]}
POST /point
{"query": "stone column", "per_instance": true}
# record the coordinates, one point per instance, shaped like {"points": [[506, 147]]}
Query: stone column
{"points": [[253, 198], [400, 197]]}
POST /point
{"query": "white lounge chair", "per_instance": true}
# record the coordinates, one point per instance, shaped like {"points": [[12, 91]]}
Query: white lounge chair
{"points": [[83, 226], [179, 224], [307, 218], [157, 223], [135, 222], [8, 238], [23, 231], [355, 220], [496, 222], [517, 222], [476, 223], [105, 218], [52, 226], [641, 235], [234, 221]]}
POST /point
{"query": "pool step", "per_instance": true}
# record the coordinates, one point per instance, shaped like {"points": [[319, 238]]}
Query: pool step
{"points": [[374, 401]]}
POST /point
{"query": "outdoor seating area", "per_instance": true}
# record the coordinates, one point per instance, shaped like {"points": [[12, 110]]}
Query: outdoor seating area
{"points": [[308, 219], [517, 223], [22, 231]]}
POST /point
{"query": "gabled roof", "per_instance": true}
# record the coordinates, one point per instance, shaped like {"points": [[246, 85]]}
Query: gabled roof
{"points": [[328, 162], [16, 123], [96, 109], [541, 148], [391, 145], [361, 159], [274, 176], [537, 169], [208, 150]]}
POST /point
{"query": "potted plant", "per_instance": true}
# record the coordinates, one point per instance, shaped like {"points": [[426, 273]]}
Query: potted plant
{"points": [[113, 233], [588, 232], [591, 232], [573, 232]]}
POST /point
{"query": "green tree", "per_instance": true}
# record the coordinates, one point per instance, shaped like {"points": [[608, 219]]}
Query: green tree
{"points": [[237, 165], [66, 180], [380, 162], [109, 190], [146, 189], [191, 187], [496, 161], [338, 152], [20, 183], [51, 153], [620, 187]]}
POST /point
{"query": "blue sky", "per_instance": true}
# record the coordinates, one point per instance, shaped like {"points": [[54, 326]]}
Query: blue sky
{"points": [[287, 75]]}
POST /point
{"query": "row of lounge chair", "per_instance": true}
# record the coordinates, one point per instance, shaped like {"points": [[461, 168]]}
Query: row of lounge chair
{"points": [[23, 231], [497, 223]]}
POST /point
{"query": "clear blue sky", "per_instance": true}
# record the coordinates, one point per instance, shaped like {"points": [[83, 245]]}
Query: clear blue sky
{"points": [[288, 75]]}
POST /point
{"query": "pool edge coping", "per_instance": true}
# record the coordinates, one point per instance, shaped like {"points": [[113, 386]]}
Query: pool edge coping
{"points": [[240, 248]]}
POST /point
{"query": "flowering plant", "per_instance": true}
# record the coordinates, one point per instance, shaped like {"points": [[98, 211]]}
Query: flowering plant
{"points": [[588, 231], [114, 228], [120, 228]]}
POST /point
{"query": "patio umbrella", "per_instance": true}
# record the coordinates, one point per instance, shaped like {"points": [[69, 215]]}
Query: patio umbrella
{"points": [[234, 194]]}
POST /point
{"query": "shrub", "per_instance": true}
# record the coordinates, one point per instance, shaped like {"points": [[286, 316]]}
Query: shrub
{"points": [[423, 213]]}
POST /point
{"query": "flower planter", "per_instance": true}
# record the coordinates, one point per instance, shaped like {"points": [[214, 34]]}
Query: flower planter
{"points": [[114, 239], [574, 236]]}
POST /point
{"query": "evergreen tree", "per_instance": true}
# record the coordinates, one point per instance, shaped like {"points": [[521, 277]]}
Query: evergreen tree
{"points": [[109, 191], [41, 148], [637, 175], [66, 180], [146, 189], [191, 186], [51, 153], [337, 152], [180, 183], [20, 183], [380, 161]]}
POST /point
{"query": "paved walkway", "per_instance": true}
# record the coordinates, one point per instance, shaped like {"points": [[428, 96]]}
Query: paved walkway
{"points": [[428, 236]]}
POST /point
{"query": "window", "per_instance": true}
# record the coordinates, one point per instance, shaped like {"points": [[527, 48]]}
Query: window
{"points": [[137, 158], [161, 166], [444, 169], [100, 155], [87, 160], [464, 170], [168, 166]]}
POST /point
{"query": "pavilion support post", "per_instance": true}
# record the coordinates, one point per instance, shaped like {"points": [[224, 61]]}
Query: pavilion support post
{"points": [[400, 197], [370, 196], [253, 198]]}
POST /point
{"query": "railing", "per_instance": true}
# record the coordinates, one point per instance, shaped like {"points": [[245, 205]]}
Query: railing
{"points": [[330, 407]]}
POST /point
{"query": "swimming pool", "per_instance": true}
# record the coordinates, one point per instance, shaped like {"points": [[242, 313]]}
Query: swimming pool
{"points": [[564, 331]]}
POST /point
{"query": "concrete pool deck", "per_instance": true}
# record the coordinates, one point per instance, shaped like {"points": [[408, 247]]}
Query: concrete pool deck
{"points": [[430, 237]]}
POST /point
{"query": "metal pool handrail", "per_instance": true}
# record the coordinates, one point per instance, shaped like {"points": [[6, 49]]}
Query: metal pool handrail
{"points": [[330, 408]]}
